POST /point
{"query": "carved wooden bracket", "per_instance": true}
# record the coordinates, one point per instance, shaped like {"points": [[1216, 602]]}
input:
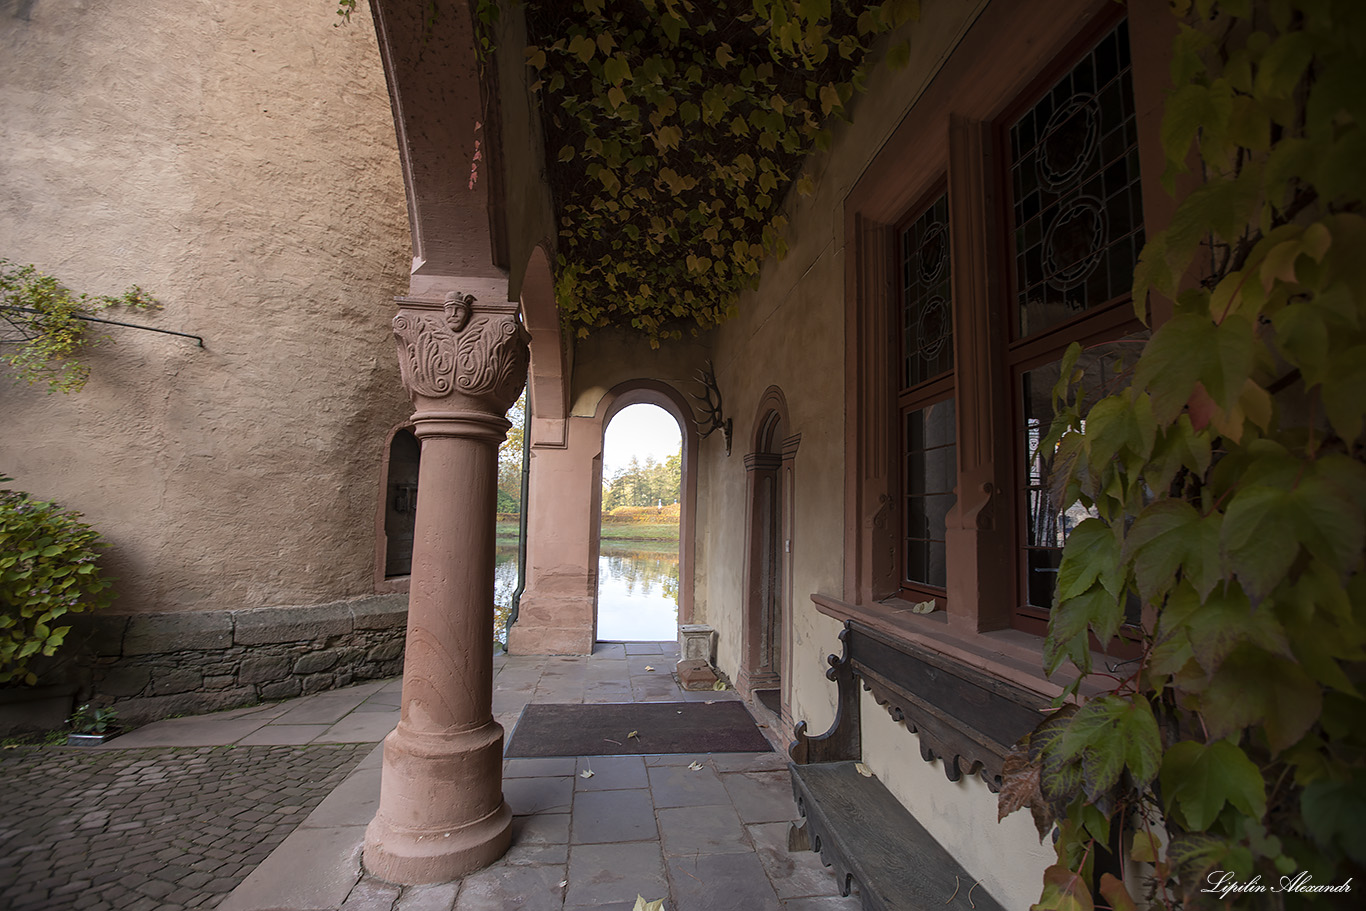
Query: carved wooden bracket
{"points": [[964, 717], [843, 741]]}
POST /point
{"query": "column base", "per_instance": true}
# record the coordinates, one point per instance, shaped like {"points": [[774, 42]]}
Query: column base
{"points": [[447, 789]]}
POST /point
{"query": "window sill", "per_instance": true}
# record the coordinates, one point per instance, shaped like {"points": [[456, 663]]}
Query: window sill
{"points": [[1008, 654]]}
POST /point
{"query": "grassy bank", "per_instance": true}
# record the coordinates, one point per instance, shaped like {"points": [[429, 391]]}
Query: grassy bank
{"points": [[507, 532]]}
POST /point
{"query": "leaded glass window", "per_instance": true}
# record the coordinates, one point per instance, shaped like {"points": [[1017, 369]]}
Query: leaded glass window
{"points": [[929, 470], [931, 473], [927, 319], [1078, 211]]}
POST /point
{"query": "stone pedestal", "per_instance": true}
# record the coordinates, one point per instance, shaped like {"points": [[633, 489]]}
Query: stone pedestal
{"points": [[441, 813], [697, 640]]}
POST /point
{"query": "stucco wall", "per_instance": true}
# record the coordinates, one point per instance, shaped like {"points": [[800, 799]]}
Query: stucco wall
{"points": [[790, 333], [236, 160]]}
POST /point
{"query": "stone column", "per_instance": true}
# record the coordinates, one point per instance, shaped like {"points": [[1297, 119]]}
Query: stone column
{"points": [[441, 812]]}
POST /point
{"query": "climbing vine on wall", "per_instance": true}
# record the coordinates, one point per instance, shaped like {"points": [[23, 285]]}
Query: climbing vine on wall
{"points": [[43, 333], [674, 131], [1228, 494]]}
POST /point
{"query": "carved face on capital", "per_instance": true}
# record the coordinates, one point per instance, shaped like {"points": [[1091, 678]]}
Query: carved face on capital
{"points": [[457, 307], [482, 356]]}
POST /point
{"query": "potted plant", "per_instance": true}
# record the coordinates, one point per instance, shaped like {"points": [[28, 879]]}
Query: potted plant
{"points": [[48, 569], [91, 726]]}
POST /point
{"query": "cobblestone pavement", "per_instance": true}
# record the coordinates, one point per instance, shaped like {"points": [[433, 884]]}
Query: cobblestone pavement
{"points": [[151, 829]]}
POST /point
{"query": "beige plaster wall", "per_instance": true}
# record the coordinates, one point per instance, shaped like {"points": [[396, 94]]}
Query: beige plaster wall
{"points": [[609, 357], [238, 161], [791, 333]]}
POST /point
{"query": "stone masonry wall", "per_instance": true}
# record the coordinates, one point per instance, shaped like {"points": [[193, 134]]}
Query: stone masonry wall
{"points": [[150, 666]]}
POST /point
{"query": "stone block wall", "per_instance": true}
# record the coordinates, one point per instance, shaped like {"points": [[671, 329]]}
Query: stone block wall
{"points": [[150, 666]]}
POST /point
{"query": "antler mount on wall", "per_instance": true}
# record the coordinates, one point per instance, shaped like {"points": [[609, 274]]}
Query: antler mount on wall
{"points": [[712, 419]]}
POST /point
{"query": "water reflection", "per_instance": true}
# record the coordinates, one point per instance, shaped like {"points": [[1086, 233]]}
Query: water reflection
{"points": [[637, 590]]}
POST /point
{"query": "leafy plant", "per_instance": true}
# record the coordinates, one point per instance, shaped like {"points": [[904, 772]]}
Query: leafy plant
{"points": [[87, 720], [45, 322], [674, 132], [1228, 495], [47, 570]]}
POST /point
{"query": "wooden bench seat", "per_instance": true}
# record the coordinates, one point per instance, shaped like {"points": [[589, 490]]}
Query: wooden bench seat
{"points": [[964, 718], [870, 839]]}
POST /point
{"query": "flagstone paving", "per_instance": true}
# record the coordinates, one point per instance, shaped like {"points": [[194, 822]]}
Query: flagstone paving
{"points": [[703, 832]]}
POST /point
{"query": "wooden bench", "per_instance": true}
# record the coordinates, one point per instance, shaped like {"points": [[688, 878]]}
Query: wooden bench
{"points": [[963, 717]]}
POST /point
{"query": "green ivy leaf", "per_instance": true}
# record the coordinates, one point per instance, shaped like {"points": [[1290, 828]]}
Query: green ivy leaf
{"points": [[1112, 733], [1091, 554], [1193, 855], [1170, 535], [1333, 813], [1252, 687], [1199, 779], [1173, 361], [1064, 890]]}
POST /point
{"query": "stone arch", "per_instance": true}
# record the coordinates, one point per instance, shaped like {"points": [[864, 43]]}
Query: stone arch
{"points": [[767, 612], [547, 379], [653, 392]]}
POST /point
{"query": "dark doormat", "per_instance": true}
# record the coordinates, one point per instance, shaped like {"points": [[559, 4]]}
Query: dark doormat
{"points": [[659, 727]]}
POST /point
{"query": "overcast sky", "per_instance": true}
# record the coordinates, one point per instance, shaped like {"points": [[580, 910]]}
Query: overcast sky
{"points": [[643, 431]]}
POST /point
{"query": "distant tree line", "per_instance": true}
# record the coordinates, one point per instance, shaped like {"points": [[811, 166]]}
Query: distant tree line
{"points": [[510, 460], [647, 483]]}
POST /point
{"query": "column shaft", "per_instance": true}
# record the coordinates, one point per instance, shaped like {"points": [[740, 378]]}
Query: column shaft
{"points": [[441, 813]]}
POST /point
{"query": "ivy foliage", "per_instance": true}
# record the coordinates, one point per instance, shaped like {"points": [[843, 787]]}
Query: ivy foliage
{"points": [[45, 328], [675, 130], [1228, 492], [48, 569]]}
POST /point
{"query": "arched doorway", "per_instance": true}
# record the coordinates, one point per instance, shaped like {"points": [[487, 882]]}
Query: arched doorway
{"points": [[768, 555], [638, 532]]}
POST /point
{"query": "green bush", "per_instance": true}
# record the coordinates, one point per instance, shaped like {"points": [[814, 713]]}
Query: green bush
{"points": [[47, 570]]}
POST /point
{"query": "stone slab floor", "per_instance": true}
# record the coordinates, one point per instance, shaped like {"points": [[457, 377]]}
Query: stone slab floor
{"points": [[228, 811]]}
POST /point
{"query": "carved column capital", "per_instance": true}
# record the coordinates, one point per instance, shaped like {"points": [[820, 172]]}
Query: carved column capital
{"points": [[458, 349]]}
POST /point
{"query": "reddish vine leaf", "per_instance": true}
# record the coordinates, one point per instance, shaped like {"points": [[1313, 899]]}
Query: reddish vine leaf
{"points": [[1020, 788], [1114, 892]]}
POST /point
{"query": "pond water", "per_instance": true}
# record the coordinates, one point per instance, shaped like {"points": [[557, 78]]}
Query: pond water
{"points": [[637, 590]]}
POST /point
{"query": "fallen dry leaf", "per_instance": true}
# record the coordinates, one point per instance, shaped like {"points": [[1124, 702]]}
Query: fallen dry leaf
{"points": [[695, 766], [635, 734], [648, 668], [643, 905], [863, 770], [586, 773]]}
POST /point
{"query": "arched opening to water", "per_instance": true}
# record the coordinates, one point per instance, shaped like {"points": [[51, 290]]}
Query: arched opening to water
{"points": [[638, 558]]}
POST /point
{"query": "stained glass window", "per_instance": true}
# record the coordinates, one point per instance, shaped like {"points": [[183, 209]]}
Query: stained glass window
{"points": [[1075, 181], [927, 318]]}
